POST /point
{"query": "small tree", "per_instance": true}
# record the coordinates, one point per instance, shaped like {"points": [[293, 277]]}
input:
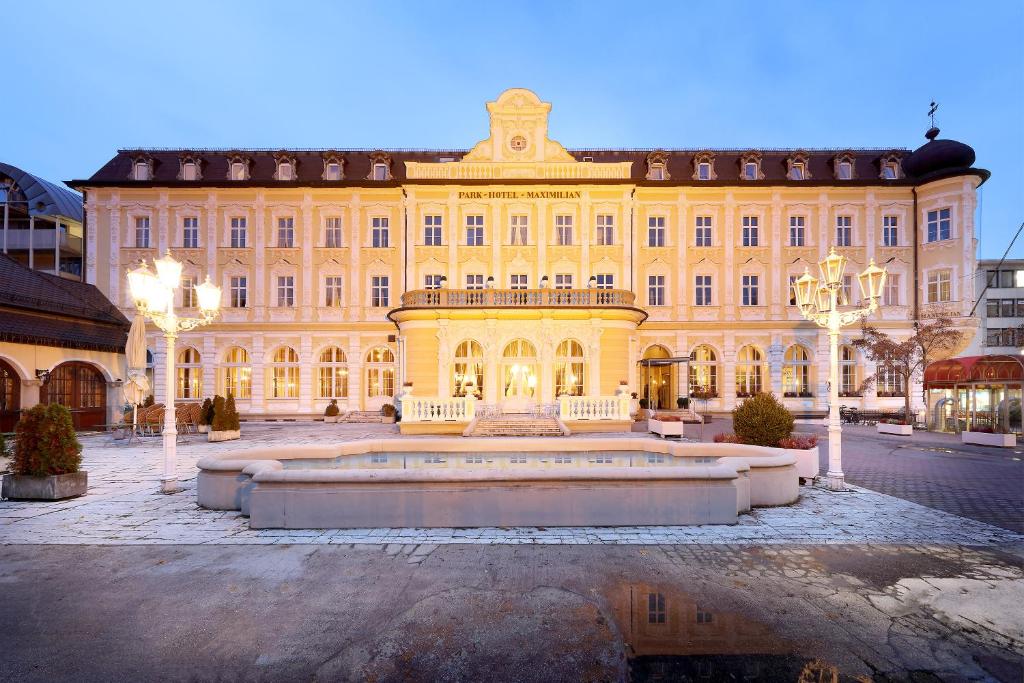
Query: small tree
{"points": [[931, 341], [46, 442], [230, 415], [206, 412], [762, 420]]}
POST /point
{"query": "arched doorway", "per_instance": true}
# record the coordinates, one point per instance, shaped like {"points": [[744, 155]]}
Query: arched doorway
{"points": [[79, 387], [468, 369], [519, 376], [569, 369], [656, 381], [10, 397]]}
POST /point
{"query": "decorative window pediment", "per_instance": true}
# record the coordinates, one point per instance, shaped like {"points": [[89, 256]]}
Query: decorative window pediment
{"points": [[704, 166], [238, 166], [380, 166], [844, 166], [142, 166], [891, 166], [286, 167], [750, 166], [190, 166], [798, 166], [334, 166], [657, 165]]}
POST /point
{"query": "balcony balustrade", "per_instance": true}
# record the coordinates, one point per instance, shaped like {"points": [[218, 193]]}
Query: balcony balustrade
{"points": [[516, 298], [41, 239]]}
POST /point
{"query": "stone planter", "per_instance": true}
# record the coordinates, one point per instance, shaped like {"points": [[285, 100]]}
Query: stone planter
{"points": [[330, 419], [986, 439], [806, 461], [227, 435], [204, 429], [54, 487], [388, 420], [901, 430]]}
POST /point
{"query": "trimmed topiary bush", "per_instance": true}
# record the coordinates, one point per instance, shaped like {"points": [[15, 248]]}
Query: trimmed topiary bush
{"points": [[387, 410], [46, 442], [206, 412], [762, 420], [332, 408], [226, 419], [218, 424]]}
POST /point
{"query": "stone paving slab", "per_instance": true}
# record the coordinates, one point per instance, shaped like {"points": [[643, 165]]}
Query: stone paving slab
{"points": [[123, 507]]}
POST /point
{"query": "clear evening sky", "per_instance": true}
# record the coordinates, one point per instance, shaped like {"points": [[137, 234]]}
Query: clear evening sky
{"points": [[84, 79]]}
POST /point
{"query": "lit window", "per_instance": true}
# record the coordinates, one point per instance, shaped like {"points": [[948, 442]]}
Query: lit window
{"points": [[704, 371], [938, 225], [379, 294], [380, 373], [702, 290], [284, 373], [286, 232], [379, 231], [605, 229], [332, 232], [190, 232], [844, 231], [605, 281], [563, 281], [518, 281], [750, 290], [749, 371], [702, 235], [890, 237], [655, 290], [285, 291], [332, 291], [563, 230], [237, 375], [474, 231], [142, 232], [750, 236], [332, 373], [797, 234], [432, 231], [520, 229], [656, 231], [569, 373], [939, 286], [238, 232], [796, 372], [190, 374], [239, 291]]}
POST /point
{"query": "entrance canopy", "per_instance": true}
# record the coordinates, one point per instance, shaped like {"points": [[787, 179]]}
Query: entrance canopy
{"points": [[974, 370]]}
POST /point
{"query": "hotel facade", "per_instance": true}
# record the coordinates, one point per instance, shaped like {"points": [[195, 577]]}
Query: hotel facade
{"points": [[520, 271]]}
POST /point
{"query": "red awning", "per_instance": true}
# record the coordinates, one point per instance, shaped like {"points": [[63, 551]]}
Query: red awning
{"points": [[974, 370]]}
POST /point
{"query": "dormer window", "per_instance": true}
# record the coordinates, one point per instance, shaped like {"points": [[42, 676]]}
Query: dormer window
{"points": [[657, 165], [889, 171], [704, 171], [286, 167], [237, 170], [750, 166], [238, 167], [190, 168], [334, 166], [749, 171], [188, 171], [380, 171], [284, 171], [797, 168], [657, 172], [844, 168], [704, 166], [891, 168], [380, 166], [797, 171], [142, 167]]}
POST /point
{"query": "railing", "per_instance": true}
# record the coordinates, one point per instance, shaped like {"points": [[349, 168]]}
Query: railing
{"points": [[575, 408], [435, 409], [518, 298], [40, 238]]}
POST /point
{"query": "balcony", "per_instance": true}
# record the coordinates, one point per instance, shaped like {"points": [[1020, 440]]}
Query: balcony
{"points": [[41, 239], [517, 298]]}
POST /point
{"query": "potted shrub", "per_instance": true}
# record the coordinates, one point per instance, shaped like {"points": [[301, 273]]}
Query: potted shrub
{"points": [[898, 427], [762, 420], [332, 411], [387, 412], [47, 455], [986, 435], [225, 426], [206, 416]]}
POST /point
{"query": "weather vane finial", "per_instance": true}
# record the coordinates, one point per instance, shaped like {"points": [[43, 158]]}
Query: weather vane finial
{"points": [[931, 111]]}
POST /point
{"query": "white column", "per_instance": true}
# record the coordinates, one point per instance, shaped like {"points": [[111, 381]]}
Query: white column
{"points": [[355, 276], [209, 359], [308, 281], [835, 435], [114, 260], [775, 233], [259, 261], [728, 360], [355, 372], [160, 363], [163, 237], [257, 403], [306, 361], [169, 482], [775, 355], [452, 239]]}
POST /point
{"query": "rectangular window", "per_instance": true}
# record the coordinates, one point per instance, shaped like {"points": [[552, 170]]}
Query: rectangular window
{"points": [[797, 233], [656, 231], [239, 291], [142, 232], [702, 236], [796, 171], [188, 292], [188, 171], [190, 232], [1007, 308], [237, 170], [563, 281], [284, 171], [432, 231], [845, 170], [605, 281], [432, 281], [703, 171], [655, 290], [750, 236], [563, 230], [847, 291], [749, 290], [286, 232], [519, 281], [474, 282], [238, 232], [702, 290], [520, 227], [750, 171], [891, 295], [939, 286], [380, 171], [655, 608], [1007, 279], [890, 237], [792, 289], [379, 295], [992, 308], [889, 171], [333, 171], [332, 233], [605, 229], [843, 231], [379, 237], [474, 231], [285, 291], [332, 291], [938, 225]]}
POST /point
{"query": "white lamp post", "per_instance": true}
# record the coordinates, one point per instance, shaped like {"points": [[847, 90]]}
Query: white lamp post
{"points": [[820, 303], [154, 297]]}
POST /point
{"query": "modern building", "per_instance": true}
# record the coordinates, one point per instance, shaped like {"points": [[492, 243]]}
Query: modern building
{"points": [[519, 270], [1000, 310], [42, 223]]}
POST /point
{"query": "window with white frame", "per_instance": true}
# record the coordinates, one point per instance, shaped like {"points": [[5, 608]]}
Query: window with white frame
{"points": [[605, 229], [284, 170], [432, 230], [656, 172], [519, 225], [704, 171], [286, 232], [238, 170], [332, 373], [475, 281], [940, 286], [332, 291], [333, 237], [285, 291], [797, 231], [432, 281], [238, 232], [236, 375], [750, 290], [891, 293], [563, 281], [379, 291], [844, 231], [702, 290], [796, 372], [749, 371], [702, 231], [797, 171], [605, 281], [845, 170], [938, 225], [190, 232], [656, 231], [141, 171], [792, 289], [474, 230], [655, 290], [190, 374], [750, 171], [518, 281], [284, 373], [750, 230], [188, 292], [563, 230], [380, 171], [890, 235], [333, 171], [380, 372], [189, 171], [239, 291], [379, 232], [890, 170], [846, 292], [889, 381], [848, 385], [704, 371], [142, 232]]}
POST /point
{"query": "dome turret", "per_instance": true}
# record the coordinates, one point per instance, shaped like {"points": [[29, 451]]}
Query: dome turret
{"points": [[938, 156]]}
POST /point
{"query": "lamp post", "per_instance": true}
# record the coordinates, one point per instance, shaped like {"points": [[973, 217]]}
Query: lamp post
{"points": [[154, 297], [820, 303]]}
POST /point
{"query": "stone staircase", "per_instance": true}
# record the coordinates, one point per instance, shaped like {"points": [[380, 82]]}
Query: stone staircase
{"points": [[360, 416], [516, 425]]}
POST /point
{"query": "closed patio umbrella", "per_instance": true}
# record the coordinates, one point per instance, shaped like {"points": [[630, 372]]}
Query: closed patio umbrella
{"points": [[136, 386]]}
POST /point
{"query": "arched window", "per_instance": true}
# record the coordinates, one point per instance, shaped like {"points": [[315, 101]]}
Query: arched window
{"points": [[519, 362], [704, 372], [10, 397], [332, 372], [848, 380], [569, 368], [749, 371], [469, 369], [380, 372], [81, 388], [796, 372], [190, 375], [236, 373], [284, 373]]}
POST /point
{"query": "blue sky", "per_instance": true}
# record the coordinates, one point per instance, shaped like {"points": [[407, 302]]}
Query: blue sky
{"points": [[89, 78]]}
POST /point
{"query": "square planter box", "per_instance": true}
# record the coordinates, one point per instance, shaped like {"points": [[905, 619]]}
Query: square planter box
{"points": [[806, 461], [54, 487], [985, 439], [666, 429], [388, 420], [227, 435], [330, 419], [204, 429], [902, 430]]}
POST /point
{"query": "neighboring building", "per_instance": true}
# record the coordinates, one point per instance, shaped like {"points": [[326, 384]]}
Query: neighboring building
{"points": [[530, 269], [61, 341], [42, 223], [1001, 309]]}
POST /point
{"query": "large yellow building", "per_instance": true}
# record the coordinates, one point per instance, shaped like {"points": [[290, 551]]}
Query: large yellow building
{"points": [[520, 271]]}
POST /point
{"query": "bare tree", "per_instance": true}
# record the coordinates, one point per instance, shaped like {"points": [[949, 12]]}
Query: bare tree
{"points": [[930, 341]]}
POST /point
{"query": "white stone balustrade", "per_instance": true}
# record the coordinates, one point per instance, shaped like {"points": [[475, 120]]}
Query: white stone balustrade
{"points": [[572, 408], [437, 409]]}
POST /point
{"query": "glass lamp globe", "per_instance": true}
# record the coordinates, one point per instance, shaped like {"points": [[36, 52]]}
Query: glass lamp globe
{"points": [[168, 269], [832, 267], [872, 281], [209, 296], [141, 283]]}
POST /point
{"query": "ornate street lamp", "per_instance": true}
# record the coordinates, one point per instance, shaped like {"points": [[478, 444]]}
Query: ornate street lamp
{"points": [[154, 297], [820, 303]]}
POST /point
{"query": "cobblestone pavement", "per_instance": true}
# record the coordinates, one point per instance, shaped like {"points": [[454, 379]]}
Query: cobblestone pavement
{"points": [[123, 507]]}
